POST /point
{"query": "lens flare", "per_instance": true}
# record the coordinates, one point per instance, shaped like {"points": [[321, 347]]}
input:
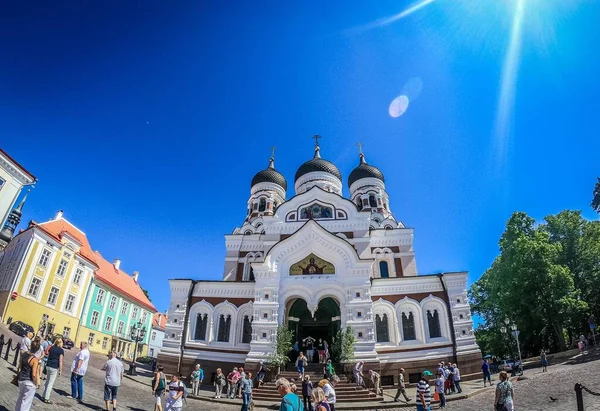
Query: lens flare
{"points": [[398, 106], [412, 89], [388, 20]]}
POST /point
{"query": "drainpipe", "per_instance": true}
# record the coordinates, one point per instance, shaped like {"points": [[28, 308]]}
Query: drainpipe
{"points": [[449, 308], [185, 325]]}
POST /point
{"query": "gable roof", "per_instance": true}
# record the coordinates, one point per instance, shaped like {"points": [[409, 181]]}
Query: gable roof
{"points": [[159, 320], [19, 166], [121, 281], [60, 227]]}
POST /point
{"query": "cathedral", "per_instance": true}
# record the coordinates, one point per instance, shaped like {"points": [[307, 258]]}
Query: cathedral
{"points": [[319, 262]]}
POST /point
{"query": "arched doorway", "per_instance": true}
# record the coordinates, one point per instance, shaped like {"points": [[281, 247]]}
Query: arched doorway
{"points": [[325, 324]]}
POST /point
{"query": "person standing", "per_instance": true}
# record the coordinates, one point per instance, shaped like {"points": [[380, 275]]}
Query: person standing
{"points": [[321, 351], [326, 350], [29, 378], [440, 389], [238, 387], [159, 383], [424, 392], [503, 401], [289, 400], [544, 359], [307, 390], [318, 398], [175, 397], [329, 371], [329, 390], [113, 374], [376, 380], [310, 349], [78, 370], [45, 346], [232, 380], [220, 382], [300, 364], [197, 378], [358, 373], [401, 387], [54, 366], [457, 378], [246, 387], [485, 368]]}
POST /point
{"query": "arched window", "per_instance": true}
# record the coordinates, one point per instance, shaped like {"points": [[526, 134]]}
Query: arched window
{"points": [[262, 205], [433, 321], [381, 328], [383, 269], [359, 204], [251, 274], [247, 330], [372, 201], [201, 325], [408, 327], [224, 328]]}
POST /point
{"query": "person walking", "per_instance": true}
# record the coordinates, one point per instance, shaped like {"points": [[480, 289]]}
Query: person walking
{"points": [[159, 383], [544, 360], [503, 401], [44, 347], [78, 370], [440, 389], [220, 382], [246, 386], [329, 390], [232, 379], [329, 371], [401, 387], [175, 397], [289, 400], [262, 371], [376, 381], [485, 368], [424, 392], [197, 378], [319, 400], [307, 390], [238, 387], [358, 373], [54, 365], [300, 364], [457, 378], [113, 374], [29, 378]]}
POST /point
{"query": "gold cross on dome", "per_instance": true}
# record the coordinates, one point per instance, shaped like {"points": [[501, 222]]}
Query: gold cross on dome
{"points": [[316, 137]]}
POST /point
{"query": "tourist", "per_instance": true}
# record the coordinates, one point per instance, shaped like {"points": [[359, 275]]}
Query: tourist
{"points": [[175, 397], [262, 371], [307, 390], [424, 392], [319, 400], [78, 370], [246, 388], [29, 379], [300, 364], [544, 360], [358, 373], [114, 371], [329, 390], [232, 379], [321, 351], [440, 389], [401, 387], [328, 370], [54, 365], [220, 382], [376, 380], [485, 368], [45, 346], [25, 343], [450, 378], [289, 400], [310, 349], [197, 377], [326, 350], [457, 378], [505, 394], [159, 383], [238, 387]]}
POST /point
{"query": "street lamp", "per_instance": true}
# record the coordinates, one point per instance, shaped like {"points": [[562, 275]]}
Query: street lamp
{"points": [[515, 333], [137, 334]]}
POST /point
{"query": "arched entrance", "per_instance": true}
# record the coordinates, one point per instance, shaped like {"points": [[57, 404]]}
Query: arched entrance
{"points": [[325, 323]]}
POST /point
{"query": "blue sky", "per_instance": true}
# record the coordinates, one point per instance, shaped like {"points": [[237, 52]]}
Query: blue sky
{"points": [[145, 121]]}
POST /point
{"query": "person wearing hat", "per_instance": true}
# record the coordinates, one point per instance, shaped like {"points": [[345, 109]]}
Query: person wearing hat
{"points": [[401, 387], [424, 392]]}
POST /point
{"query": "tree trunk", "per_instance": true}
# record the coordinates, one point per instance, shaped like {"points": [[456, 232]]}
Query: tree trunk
{"points": [[560, 337]]}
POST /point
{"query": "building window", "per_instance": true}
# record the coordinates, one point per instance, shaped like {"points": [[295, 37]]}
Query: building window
{"points": [[62, 268], [108, 323], [359, 204], [66, 332], [105, 343], [1, 183], [45, 257], [77, 276], [201, 325], [100, 296], [262, 205], [383, 269], [113, 303], [247, 330], [381, 328], [153, 335], [433, 321], [172, 335], [359, 314], [224, 328], [91, 339], [120, 328], [124, 308], [95, 316], [34, 287], [53, 295], [70, 303], [134, 313], [372, 201], [144, 316], [408, 327]]}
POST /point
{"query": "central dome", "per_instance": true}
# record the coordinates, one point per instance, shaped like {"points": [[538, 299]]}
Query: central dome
{"points": [[319, 165]]}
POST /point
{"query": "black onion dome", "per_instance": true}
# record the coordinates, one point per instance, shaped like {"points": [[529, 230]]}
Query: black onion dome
{"points": [[318, 164], [270, 175], [364, 170]]}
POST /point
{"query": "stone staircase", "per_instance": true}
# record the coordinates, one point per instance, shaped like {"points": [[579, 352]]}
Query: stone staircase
{"points": [[345, 390]]}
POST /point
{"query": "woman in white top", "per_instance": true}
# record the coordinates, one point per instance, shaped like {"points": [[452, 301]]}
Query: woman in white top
{"points": [[358, 373], [175, 397]]}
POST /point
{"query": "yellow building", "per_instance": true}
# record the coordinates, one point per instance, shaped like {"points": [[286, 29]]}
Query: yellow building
{"points": [[45, 273]]}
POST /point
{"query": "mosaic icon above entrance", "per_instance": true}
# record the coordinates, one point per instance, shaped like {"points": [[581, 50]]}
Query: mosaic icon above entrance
{"points": [[312, 264]]}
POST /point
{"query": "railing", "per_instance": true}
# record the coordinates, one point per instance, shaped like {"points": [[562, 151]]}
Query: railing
{"points": [[579, 389], [9, 347]]}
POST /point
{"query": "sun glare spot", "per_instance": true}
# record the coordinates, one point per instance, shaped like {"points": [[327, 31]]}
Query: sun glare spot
{"points": [[388, 20], [398, 106], [412, 89]]}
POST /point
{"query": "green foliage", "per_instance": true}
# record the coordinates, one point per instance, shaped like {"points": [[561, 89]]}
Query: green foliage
{"points": [[342, 347], [596, 199], [146, 294], [283, 345], [545, 279]]}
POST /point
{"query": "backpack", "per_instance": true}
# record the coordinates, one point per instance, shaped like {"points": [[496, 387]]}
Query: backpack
{"points": [[185, 390]]}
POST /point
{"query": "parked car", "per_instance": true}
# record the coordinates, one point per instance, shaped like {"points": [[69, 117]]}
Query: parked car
{"points": [[67, 342], [510, 366], [20, 328], [144, 360]]}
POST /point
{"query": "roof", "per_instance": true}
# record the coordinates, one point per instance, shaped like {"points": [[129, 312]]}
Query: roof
{"points": [[269, 175], [121, 281], [21, 168], [159, 320], [364, 170], [317, 164], [60, 227]]}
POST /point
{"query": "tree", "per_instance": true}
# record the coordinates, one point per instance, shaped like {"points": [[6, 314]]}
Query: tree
{"points": [[596, 200], [342, 348], [283, 345], [146, 294]]}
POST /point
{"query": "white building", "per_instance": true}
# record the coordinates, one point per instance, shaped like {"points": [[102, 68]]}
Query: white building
{"points": [[157, 334], [319, 262], [13, 177]]}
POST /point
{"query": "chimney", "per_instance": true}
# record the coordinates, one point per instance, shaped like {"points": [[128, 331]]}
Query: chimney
{"points": [[117, 263], [136, 275], [59, 215]]}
